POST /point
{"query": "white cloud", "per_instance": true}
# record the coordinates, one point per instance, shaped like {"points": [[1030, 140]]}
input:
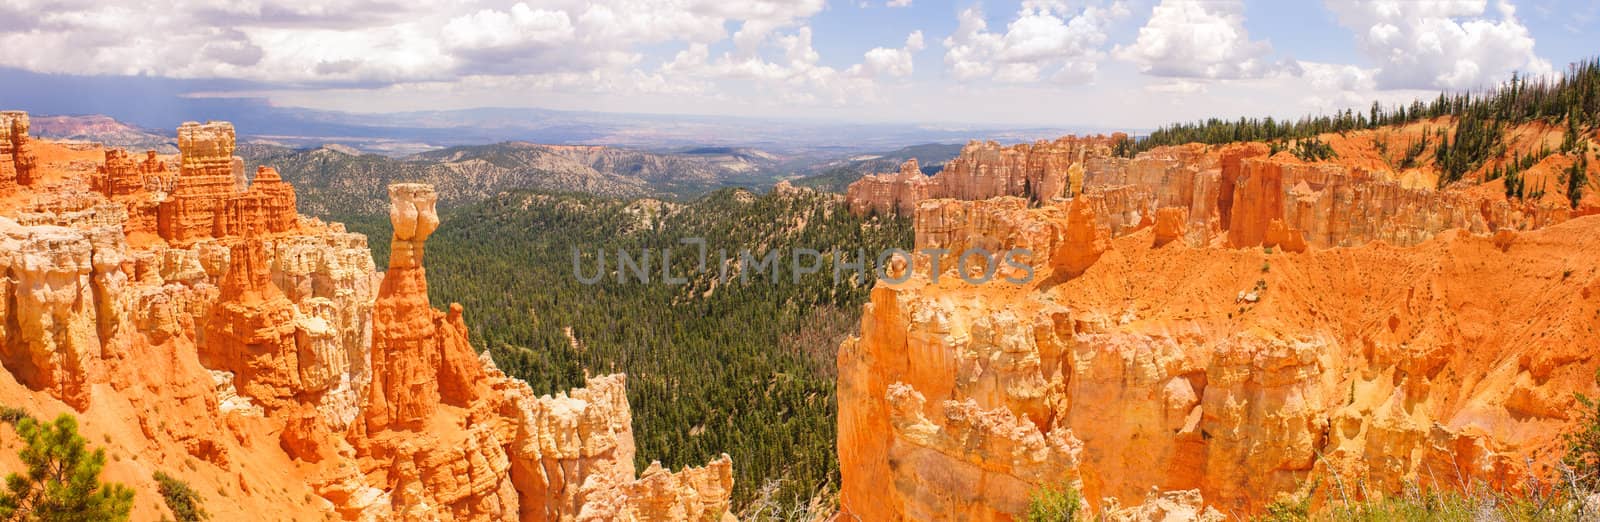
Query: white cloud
{"points": [[1041, 38], [488, 29], [386, 46], [890, 62], [1192, 39], [898, 3], [1176, 87], [1441, 44], [795, 74], [1337, 77], [370, 41]]}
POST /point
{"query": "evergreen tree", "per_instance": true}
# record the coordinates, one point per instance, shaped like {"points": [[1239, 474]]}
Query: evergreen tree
{"points": [[1583, 445], [62, 482], [714, 366], [1577, 176], [1519, 100]]}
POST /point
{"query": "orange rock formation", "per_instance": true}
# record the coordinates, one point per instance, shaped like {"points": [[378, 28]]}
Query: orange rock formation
{"points": [[1155, 363], [198, 326], [1234, 191], [17, 160], [1040, 172]]}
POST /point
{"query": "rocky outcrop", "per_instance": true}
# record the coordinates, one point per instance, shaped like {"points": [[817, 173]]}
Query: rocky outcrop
{"points": [[17, 161], [1233, 191], [892, 194], [408, 333], [211, 197], [56, 343], [121, 177], [247, 349], [1172, 224], [1038, 172], [1083, 240], [567, 457], [204, 183], [1132, 371], [1331, 205]]}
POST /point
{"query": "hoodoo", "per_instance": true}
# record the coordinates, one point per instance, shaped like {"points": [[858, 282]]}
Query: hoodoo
{"points": [[197, 325], [1213, 329]]}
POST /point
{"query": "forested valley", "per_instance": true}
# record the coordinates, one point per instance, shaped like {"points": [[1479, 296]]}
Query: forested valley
{"points": [[715, 364]]}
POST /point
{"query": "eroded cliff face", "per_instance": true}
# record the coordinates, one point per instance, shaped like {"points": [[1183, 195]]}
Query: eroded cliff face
{"points": [[17, 160], [1234, 193], [1158, 370], [197, 325], [1040, 171]]}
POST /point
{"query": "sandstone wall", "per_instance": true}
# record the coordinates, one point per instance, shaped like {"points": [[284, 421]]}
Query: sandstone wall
{"points": [[1230, 193], [17, 161], [210, 196], [221, 336], [1039, 172], [1154, 371]]}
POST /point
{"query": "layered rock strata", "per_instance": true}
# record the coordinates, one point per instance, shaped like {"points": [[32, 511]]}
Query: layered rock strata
{"points": [[1233, 192], [17, 161], [210, 196], [250, 350], [1040, 171], [505, 454], [1153, 371]]}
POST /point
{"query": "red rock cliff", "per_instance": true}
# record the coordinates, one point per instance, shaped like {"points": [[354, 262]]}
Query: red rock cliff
{"points": [[17, 162], [244, 348], [1039, 172], [1147, 371]]}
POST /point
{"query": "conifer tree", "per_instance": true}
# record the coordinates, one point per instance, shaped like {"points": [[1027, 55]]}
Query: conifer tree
{"points": [[62, 481]]}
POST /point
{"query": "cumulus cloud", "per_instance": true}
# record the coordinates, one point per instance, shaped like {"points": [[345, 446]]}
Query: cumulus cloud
{"points": [[890, 62], [607, 46], [1441, 44], [899, 3], [368, 41], [795, 73], [1044, 37], [1193, 39], [522, 25]]}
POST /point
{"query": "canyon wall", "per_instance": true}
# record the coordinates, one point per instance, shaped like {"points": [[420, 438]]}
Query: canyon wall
{"points": [[1156, 370], [1039, 171], [199, 326], [1233, 192]]}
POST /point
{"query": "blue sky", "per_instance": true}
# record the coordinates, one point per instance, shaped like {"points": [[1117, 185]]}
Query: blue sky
{"points": [[1093, 63]]}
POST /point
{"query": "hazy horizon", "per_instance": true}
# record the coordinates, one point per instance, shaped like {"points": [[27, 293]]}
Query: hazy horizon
{"points": [[1125, 64]]}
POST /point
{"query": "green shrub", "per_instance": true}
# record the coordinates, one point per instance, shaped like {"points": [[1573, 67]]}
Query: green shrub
{"points": [[10, 415], [1289, 510], [184, 501], [1417, 506], [1583, 446], [1313, 150], [1058, 504]]}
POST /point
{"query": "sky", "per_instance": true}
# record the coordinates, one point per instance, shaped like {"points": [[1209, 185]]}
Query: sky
{"points": [[1131, 64]]}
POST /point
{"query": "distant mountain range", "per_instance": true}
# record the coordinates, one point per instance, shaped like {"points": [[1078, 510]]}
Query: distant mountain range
{"points": [[102, 129], [660, 132], [335, 180], [165, 103], [344, 175]]}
